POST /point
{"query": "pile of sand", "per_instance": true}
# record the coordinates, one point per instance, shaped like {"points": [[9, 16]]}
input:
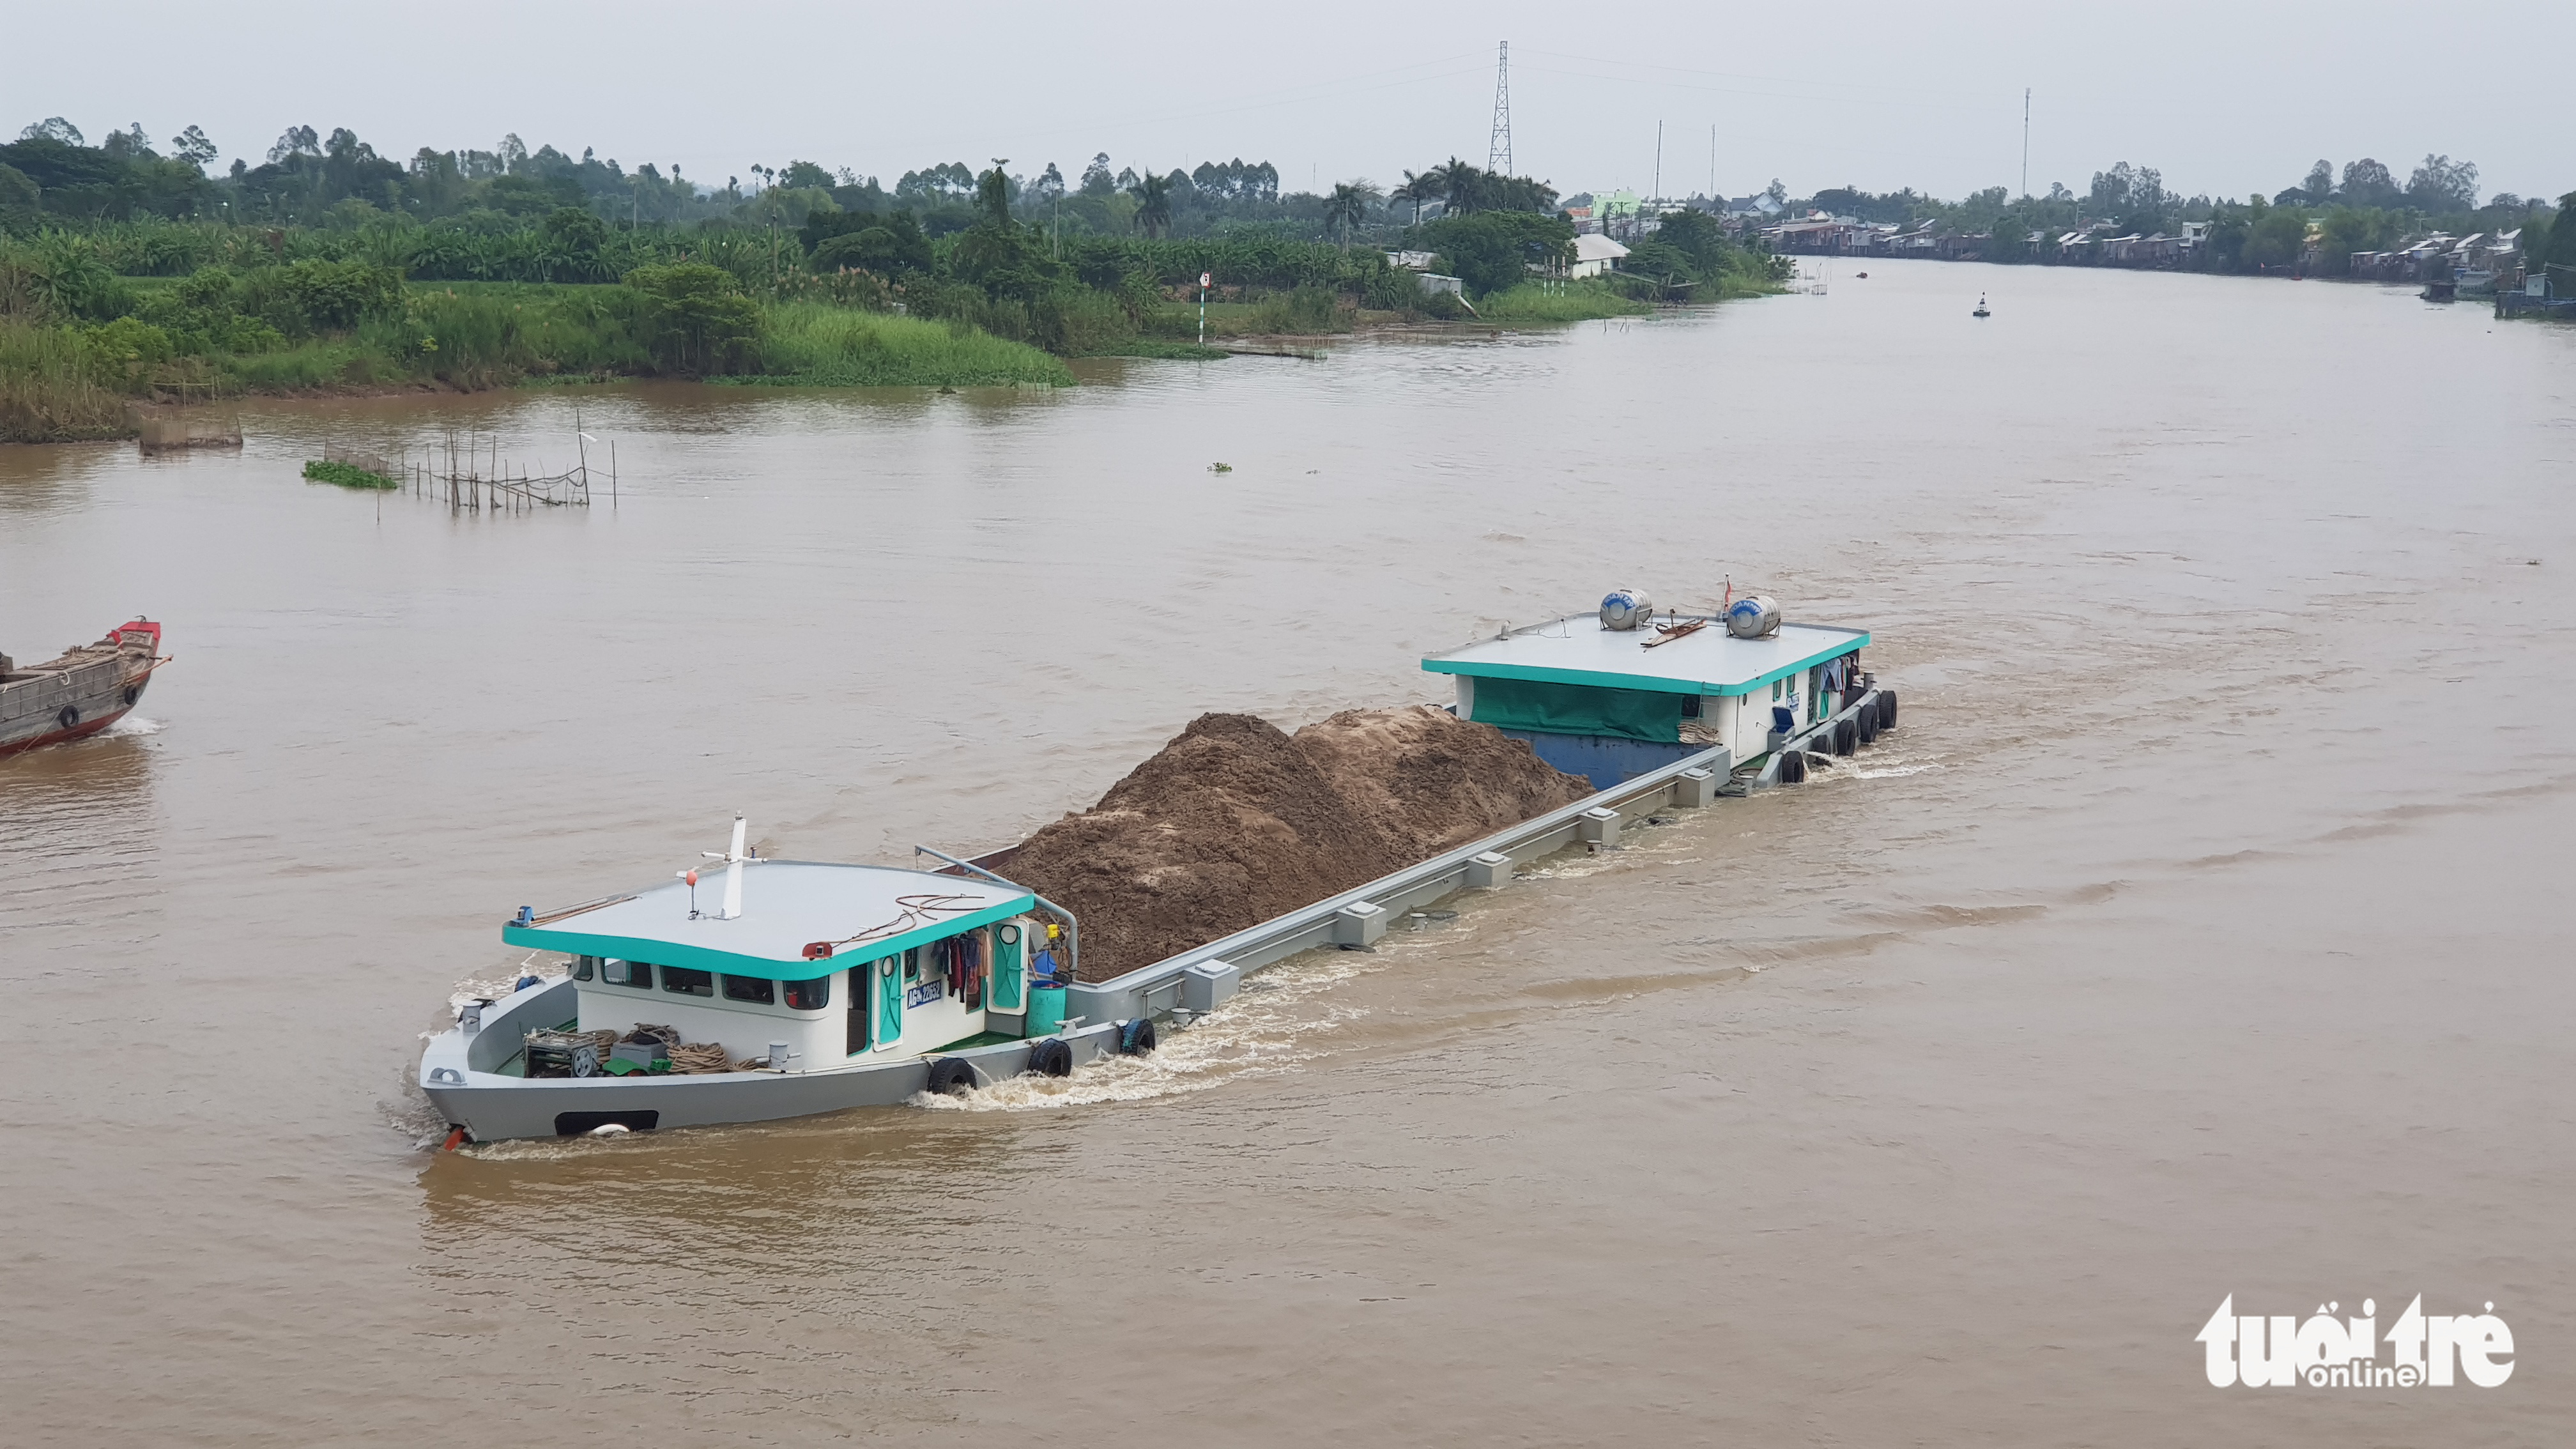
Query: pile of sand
{"points": [[1235, 822]]}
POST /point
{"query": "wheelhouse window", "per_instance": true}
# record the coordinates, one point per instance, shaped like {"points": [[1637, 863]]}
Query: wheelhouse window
{"points": [[688, 981], [811, 995], [638, 974], [751, 988]]}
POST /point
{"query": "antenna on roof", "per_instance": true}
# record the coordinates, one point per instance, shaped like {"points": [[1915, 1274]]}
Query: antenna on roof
{"points": [[733, 859]]}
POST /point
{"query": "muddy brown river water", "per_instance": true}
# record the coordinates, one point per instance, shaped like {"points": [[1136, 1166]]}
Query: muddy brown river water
{"points": [[2201, 933]]}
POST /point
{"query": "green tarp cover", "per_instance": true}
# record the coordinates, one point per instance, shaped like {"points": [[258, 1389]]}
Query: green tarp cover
{"points": [[1579, 709]]}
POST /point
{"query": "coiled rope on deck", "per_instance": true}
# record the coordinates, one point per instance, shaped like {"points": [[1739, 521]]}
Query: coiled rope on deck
{"points": [[703, 1059]]}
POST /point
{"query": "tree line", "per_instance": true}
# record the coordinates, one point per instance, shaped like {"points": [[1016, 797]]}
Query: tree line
{"points": [[2359, 207]]}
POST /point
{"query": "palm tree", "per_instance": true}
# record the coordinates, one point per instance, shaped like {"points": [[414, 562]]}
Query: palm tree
{"points": [[1464, 187], [1347, 207], [1154, 205], [1417, 189]]}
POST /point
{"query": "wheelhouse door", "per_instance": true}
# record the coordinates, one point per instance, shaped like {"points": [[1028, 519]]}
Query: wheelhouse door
{"points": [[1008, 969], [888, 1017]]}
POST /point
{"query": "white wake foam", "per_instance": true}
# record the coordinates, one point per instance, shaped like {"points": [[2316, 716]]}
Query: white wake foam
{"points": [[1271, 1026]]}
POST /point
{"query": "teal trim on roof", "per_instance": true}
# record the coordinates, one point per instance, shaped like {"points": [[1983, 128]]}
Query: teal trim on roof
{"points": [[672, 953], [1544, 674]]}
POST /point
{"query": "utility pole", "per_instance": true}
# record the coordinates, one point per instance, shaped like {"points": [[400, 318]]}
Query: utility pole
{"points": [[2025, 140], [1659, 161], [1498, 146]]}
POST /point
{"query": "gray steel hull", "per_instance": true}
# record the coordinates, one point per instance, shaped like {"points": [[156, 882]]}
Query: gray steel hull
{"points": [[491, 1107]]}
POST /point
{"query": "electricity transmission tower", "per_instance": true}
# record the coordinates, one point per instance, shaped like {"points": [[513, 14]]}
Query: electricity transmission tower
{"points": [[1498, 150], [2025, 141]]}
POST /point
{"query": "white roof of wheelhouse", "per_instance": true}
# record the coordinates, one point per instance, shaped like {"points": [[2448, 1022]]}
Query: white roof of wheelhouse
{"points": [[1577, 650], [863, 911]]}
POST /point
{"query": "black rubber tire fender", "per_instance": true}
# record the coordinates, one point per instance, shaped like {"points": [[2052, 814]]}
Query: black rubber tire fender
{"points": [[1136, 1037], [133, 692], [950, 1077], [1886, 710], [1793, 768], [67, 716], [1867, 720], [1847, 738], [1051, 1058]]}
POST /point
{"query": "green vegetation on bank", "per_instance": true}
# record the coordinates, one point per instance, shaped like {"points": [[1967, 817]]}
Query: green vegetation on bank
{"points": [[1689, 257], [815, 345], [347, 475], [129, 275], [1534, 303], [51, 388]]}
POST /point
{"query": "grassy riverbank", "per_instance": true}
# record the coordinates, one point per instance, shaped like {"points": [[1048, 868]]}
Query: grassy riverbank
{"points": [[810, 344], [1531, 304], [347, 328], [49, 391], [92, 322]]}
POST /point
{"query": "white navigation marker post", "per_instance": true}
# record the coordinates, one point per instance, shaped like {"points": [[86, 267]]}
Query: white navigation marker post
{"points": [[1203, 286], [733, 860]]}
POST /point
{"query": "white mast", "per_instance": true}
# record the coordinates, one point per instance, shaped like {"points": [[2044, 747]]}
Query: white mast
{"points": [[733, 860]]}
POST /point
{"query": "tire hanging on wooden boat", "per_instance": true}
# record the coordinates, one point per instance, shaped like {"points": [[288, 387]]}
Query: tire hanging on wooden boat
{"points": [[67, 716], [950, 1077], [1886, 710], [1136, 1037], [1051, 1058]]}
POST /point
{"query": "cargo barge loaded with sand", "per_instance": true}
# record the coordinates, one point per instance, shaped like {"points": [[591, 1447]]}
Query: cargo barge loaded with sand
{"points": [[785, 988]]}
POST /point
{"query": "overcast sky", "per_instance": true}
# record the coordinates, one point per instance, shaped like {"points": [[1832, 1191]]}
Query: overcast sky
{"points": [[2223, 98]]}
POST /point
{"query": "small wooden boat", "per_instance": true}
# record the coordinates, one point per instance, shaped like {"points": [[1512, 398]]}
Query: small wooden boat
{"points": [[84, 690]]}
